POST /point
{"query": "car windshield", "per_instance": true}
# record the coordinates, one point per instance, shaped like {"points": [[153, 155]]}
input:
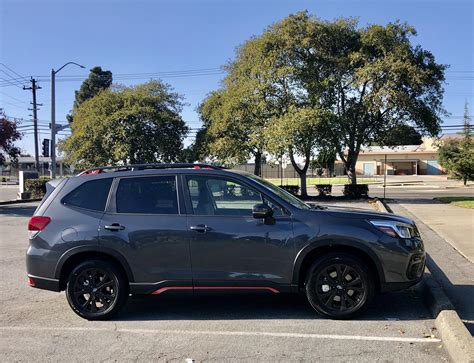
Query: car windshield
{"points": [[280, 192]]}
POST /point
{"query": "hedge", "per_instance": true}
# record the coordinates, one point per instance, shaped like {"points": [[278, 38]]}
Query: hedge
{"points": [[37, 187], [324, 189], [293, 189], [356, 190]]}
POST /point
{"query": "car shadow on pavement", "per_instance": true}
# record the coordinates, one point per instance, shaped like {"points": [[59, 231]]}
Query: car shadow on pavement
{"points": [[405, 305], [462, 296], [16, 210]]}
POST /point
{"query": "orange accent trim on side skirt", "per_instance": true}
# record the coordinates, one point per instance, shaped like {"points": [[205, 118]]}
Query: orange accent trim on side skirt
{"points": [[164, 289]]}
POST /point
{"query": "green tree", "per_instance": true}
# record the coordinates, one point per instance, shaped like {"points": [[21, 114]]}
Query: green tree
{"points": [[97, 81], [298, 134], [457, 156], [137, 124], [251, 95], [326, 159], [372, 79], [8, 135], [400, 135]]}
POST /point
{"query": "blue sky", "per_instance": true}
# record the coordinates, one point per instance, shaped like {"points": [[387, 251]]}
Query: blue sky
{"points": [[161, 36]]}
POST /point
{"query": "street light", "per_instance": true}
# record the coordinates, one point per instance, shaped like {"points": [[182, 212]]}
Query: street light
{"points": [[53, 117]]}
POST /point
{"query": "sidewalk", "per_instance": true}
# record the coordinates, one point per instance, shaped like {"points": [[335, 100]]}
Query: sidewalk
{"points": [[452, 270], [8, 192], [453, 224]]}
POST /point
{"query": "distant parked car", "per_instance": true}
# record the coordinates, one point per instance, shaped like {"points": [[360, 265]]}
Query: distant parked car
{"points": [[157, 228]]}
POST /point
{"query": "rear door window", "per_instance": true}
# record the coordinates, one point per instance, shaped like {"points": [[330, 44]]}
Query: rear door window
{"points": [[147, 195], [90, 195]]}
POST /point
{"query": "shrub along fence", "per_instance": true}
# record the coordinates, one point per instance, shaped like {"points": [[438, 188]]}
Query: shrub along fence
{"points": [[37, 187], [356, 190], [324, 189]]}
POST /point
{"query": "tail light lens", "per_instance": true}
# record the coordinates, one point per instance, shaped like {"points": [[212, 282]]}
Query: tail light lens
{"points": [[37, 224]]}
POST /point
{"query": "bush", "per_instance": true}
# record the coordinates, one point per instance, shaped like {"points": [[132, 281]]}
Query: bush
{"points": [[37, 187], [356, 190], [293, 189], [324, 189]]}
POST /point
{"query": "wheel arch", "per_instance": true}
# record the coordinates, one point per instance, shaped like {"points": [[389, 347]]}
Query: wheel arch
{"points": [[74, 256], [308, 255]]}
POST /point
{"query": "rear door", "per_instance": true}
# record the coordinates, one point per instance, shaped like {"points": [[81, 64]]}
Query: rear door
{"points": [[146, 224]]}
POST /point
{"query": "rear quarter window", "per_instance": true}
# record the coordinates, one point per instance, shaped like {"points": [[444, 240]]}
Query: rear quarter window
{"points": [[90, 195]]}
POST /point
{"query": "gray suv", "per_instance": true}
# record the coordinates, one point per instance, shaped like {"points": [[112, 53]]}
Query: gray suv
{"points": [[157, 228]]}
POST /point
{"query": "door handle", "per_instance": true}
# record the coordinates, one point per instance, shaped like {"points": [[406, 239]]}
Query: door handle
{"points": [[114, 227], [200, 228]]}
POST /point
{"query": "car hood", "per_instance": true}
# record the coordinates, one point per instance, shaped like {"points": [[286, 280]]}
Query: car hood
{"points": [[359, 213]]}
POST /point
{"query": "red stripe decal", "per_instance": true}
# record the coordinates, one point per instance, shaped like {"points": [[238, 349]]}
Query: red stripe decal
{"points": [[163, 289]]}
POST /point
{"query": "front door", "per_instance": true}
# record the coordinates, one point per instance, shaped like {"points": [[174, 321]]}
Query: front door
{"points": [[368, 169], [144, 224], [228, 246]]}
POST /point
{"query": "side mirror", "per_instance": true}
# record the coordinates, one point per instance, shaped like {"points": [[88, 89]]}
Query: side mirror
{"points": [[262, 211]]}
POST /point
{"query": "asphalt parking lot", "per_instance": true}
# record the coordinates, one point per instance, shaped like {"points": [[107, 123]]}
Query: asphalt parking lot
{"points": [[38, 325]]}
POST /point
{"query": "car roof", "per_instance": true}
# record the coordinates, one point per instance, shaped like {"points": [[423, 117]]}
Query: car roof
{"points": [[153, 169]]}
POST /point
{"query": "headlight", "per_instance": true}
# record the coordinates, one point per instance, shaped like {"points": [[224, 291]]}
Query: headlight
{"points": [[395, 229]]}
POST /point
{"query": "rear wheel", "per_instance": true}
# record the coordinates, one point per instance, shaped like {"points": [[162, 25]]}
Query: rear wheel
{"points": [[96, 290], [339, 286]]}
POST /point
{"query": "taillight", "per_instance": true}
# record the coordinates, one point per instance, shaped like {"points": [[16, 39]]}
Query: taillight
{"points": [[37, 224]]}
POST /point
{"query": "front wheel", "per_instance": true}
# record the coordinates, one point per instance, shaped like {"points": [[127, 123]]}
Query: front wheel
{"points": [[96, 290], [339, 286]]}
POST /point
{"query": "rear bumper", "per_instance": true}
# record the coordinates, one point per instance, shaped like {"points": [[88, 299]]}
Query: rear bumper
{"points": [[43, 283]]}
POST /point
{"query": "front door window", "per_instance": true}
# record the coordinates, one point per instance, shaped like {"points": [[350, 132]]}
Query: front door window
{"points": [[221, 197]]}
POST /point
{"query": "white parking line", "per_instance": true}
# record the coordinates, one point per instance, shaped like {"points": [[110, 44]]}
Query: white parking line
{"points": [[226, 333]]}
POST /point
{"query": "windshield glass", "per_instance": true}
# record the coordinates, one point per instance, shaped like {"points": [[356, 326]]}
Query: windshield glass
{"points": [[280, 192]]}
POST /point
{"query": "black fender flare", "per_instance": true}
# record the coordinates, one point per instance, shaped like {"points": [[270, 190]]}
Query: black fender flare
{"points": [[306, 250], [93, 248]]}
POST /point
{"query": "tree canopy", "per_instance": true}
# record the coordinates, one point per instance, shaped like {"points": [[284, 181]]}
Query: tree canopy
{"points": [[371, 80], [400, 135], [97, 81], [8, 135], [457, 155], [127, 125]]}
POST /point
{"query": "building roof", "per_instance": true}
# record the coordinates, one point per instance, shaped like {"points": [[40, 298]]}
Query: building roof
{"points": [[390, 150]]}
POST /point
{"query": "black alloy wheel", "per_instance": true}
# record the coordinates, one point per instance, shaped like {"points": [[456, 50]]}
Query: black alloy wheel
{"points": [[96, 290], [338, 286]]}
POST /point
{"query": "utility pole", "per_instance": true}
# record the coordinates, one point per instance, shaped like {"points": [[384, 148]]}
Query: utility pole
{"points": [[54, 128], [33, 88], [53, 124]]}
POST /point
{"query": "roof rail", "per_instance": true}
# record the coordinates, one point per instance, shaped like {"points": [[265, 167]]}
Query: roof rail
{"points": [[107, 169]]}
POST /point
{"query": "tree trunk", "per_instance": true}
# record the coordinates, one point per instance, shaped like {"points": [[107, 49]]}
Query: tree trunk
{"points": [[304, 191], [465, 180], [350, 165], [258, 164], [351, 173], [301, 172]]}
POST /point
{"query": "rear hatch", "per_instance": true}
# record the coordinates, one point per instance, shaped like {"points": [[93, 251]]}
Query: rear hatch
{"points": [[52, 189]]}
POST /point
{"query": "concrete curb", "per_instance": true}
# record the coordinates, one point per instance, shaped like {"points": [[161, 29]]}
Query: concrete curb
{"points": [[456, 338], [19, 201]]}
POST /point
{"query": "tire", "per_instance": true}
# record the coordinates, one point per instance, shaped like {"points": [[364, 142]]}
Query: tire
{"points": [[339, 286], [96, 290]]}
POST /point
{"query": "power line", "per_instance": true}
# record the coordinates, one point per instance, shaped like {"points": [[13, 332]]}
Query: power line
{"points": [[13, 98], [11, 78]]}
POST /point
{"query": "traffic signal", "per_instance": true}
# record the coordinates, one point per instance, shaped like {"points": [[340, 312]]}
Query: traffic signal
{"points": [[46, 148]]}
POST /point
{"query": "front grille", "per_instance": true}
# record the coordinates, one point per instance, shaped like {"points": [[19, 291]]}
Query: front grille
{"points": [[416, 266]]}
